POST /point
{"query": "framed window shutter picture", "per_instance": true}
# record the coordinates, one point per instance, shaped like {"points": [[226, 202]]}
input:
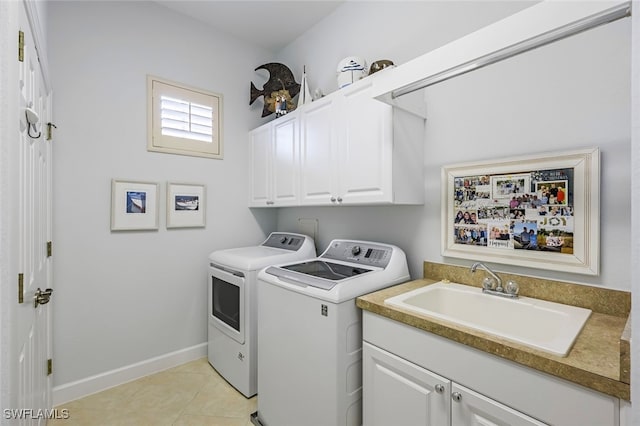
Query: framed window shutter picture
{"points": [[186, 205], [540, 211], [134, 205]]}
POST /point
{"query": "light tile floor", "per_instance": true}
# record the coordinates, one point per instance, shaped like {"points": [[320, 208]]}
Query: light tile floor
{"points": [[190, 394]]}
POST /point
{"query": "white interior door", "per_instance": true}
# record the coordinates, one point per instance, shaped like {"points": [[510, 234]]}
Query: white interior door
{"points": [[32, 325]]}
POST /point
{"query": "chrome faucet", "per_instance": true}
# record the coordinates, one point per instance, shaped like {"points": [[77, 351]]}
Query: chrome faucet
{"points": [[493, 284]]}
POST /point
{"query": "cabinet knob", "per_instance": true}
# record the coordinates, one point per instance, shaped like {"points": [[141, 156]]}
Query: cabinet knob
{"points": [[333, 199], [439, 388], [456, 396], [339, 199]]}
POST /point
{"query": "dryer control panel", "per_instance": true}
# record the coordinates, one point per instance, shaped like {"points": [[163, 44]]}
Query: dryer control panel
{"points": [[283, 240]]}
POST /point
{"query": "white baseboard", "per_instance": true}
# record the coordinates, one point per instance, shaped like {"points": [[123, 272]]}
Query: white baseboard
{"points": [[90, 385]]}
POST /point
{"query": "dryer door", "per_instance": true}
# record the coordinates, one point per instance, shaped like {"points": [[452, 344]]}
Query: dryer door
{"points": [[227, 301]]}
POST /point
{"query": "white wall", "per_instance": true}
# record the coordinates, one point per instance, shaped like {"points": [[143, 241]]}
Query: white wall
{"points": [[397, 30], [572, 94], [125, 297]]}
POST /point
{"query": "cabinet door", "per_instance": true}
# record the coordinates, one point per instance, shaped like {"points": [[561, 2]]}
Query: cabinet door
{"points": [[397, 392], [365, 148], [260, 164], [469, 408], [318, 154], [285, 161]]}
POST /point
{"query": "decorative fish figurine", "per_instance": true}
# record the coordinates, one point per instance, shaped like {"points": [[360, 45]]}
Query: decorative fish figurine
{"points": [[280, 79]]}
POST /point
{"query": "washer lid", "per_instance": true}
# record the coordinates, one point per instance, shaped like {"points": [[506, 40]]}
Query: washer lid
{"points": [[318, 273], [327, 270]]}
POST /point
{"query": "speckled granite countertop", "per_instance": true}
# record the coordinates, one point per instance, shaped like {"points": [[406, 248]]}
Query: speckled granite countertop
{"points": [[598, 360]]}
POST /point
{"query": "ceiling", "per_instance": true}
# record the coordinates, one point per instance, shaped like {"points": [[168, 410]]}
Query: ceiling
{"points": [[266, 23]]}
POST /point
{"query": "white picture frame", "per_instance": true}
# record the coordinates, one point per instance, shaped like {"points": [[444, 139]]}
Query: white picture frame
{"points": [[134, 205], [186, 205], [559, 210]]}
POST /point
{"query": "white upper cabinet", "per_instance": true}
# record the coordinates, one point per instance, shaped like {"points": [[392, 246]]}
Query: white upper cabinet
{"points": [[318, 152], [286, 161], [353, 150], [274, 151], [260, 154], [365, 148]]}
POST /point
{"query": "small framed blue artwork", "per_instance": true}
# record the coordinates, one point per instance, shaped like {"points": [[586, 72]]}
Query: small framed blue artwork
{"points": [[134, 205]]}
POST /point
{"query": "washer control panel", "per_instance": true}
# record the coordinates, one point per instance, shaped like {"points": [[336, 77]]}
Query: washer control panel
{"points": [[359, 252]]}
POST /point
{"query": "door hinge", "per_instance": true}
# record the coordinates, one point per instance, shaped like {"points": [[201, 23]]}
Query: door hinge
{"points": [[49, 367], [50, 127], [21, 46], [21, 288], [49, 248]]}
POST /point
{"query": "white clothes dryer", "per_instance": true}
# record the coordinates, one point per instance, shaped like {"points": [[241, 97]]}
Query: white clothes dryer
{"points": [[232, 303]]}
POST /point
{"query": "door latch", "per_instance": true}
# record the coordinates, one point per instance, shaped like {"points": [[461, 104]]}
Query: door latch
{"points": [[42, 297]]}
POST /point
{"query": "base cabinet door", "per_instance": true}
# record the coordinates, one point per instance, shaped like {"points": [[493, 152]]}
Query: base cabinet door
{"points": [[469, 408], [397, 392]]}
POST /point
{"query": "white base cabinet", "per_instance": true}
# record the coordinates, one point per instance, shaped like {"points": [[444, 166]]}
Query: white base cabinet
{"points": [[398, 392], [412, 377]]}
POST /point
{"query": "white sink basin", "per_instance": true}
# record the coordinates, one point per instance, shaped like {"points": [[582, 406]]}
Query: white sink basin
{"points": [[547, 326]]}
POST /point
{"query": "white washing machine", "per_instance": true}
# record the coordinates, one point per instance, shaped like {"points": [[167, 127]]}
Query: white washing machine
{"points": [[232, 348], [310, 333]]}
